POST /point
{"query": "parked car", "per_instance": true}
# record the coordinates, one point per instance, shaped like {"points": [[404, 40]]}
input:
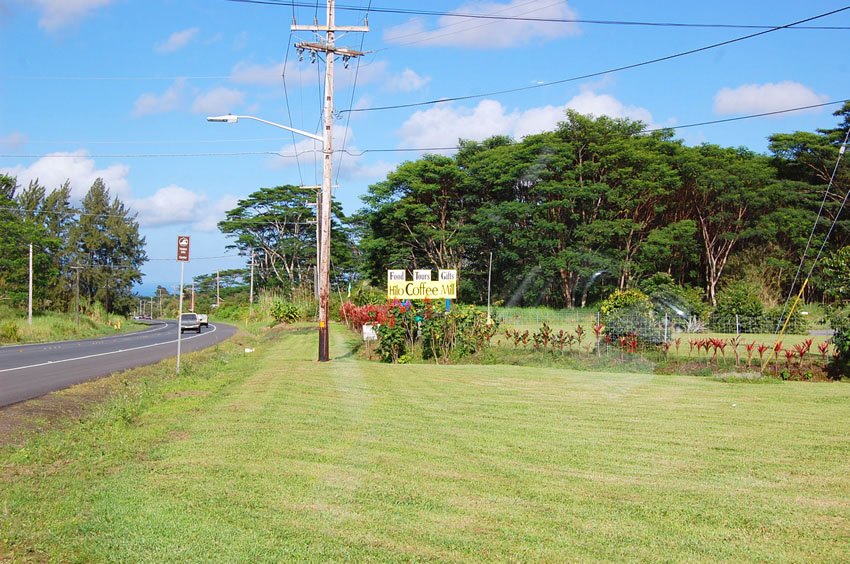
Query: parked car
{"points": [[190, 322], [204, 319]]}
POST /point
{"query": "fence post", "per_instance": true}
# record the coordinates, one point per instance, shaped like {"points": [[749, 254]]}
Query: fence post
{"points": [[737, 325], [666, 321]]}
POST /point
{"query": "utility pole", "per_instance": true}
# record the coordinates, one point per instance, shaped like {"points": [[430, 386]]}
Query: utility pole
{"points": [[251, 291], [330, 50], [29, 301], [77, 293], [192, 307], [217, 288]]}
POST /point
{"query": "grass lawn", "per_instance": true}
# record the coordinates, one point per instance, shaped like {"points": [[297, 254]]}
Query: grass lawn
{"points": [[271, 456]]}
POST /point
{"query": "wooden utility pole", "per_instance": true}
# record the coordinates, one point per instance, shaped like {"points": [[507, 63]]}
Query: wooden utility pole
{"points": [[330, 50], [251, 290]]}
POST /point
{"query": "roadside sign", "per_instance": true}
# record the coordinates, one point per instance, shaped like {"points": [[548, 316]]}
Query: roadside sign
{"points": [[395, 275], [183, 248], [421, 275], [447, 275]]}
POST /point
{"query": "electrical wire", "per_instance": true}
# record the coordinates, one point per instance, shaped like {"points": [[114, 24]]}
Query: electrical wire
{"points": [[781, 332], [351, 100], [405, 149], [412, 12], [599, 73], [286, 98]]}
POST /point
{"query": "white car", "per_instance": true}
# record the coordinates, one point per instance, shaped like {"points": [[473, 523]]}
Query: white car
{"points": [[190, 322], [204, 319]]}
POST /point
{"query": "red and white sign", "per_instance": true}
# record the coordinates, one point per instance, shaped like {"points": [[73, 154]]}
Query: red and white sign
{"points": [[183, 248]]}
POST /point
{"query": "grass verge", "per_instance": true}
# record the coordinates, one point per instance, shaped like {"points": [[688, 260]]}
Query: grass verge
{"points": [[271, 456]]}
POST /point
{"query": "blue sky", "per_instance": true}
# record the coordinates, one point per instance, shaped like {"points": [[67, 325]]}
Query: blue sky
{"points": [[120, 89]]}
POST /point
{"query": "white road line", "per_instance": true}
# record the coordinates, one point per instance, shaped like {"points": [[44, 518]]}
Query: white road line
{"points": [[159, 326], [106, 353]]}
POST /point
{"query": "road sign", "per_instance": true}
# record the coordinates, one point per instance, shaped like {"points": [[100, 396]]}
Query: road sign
{"points": [[183, 248]]}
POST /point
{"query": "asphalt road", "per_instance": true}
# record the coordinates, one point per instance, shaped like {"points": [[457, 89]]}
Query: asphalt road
{"points": [[29, 371]]}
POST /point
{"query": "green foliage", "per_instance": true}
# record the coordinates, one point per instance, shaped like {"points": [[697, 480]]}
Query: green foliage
{"points": [[840, 322], [739, 300], [630, 313], [285, 312], [667, 297], [835, 274], [364, 293], [278, 226], [9, 332], [424, 330]]}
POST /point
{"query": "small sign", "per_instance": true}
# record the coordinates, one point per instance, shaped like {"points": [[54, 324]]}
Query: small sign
{"points": [[183, 248], [447, 275], [421, 275], [396, 275], [369, 332]]}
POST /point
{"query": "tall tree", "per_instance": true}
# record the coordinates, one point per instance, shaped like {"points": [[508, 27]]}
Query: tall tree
{"points": [[279, 225], [107, 244], [728, 189], [417, 216]]}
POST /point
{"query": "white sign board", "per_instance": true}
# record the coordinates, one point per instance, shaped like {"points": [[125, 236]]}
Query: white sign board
{"points": [[369, 333], [396, 275], [447, 276], [421, 275]]}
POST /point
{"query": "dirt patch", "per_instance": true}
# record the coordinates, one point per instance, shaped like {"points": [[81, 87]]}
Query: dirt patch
{"points": [[21, 420]]}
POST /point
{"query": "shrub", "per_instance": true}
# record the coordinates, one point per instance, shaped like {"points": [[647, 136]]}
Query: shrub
{"points": [[630, 313], [738, 300], [10, 332], [285, 312], [679, 303], [840, 365]]}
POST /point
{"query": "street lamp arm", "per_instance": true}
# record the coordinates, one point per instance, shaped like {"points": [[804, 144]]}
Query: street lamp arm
{"points": [[230, 118]]}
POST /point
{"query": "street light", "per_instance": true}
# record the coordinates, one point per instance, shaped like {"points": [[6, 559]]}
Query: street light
{"points": [[324, 213], [230, 118]]}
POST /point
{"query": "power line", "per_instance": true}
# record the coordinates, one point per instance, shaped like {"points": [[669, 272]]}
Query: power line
{"points": [[412, 149], [466, 15], [598, 73]]}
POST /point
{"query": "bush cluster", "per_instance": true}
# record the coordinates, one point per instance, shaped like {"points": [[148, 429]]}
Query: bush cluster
{"points": [[420, 329]]}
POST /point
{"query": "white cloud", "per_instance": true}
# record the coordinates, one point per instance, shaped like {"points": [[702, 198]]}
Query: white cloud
{"points": [[169, 205], [218, 101], [207, 221], [443, 125], [176, 40], [170, 100], [54, 169], [407, 81], [271, 74], [56, 14], [489, 34], [589, 102], [768, 97], [14, 140]]}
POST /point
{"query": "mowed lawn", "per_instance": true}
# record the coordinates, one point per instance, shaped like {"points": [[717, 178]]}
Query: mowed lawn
{"points": [[278, 458]]}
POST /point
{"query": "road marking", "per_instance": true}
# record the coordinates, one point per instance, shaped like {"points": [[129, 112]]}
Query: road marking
{"points": [[215, 328]]}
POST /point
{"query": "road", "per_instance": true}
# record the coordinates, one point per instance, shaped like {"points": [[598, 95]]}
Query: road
{"points": [[29, 371]]}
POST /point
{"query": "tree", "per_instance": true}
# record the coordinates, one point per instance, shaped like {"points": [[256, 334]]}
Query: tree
{"points": [[18, 230], [279, 225], [107, 244], [417, 216], [728, 189]]}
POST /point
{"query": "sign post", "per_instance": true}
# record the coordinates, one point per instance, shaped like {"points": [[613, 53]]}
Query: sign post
{"points": [[182, 258]]}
